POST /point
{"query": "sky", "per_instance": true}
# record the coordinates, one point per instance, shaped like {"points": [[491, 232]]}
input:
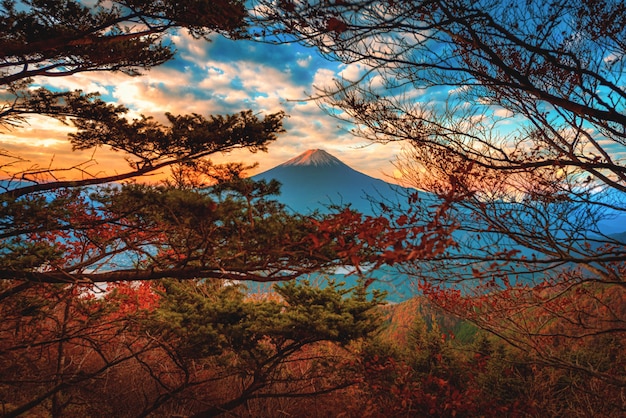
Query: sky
{"points": [[221, 77], [217, 77]]}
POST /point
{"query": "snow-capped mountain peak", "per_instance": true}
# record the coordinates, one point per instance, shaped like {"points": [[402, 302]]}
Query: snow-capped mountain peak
{"points": [[315, 157], [316, 179]]}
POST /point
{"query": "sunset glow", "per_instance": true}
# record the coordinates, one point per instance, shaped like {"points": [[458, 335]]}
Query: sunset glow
{"points": [[217, 77]]}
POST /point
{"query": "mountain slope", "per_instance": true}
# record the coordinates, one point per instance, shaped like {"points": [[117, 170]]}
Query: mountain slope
{"points": [[315, 179]]}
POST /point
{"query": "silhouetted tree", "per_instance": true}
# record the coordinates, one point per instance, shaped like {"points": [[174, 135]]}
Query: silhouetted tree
{"points": [[48, 225]]}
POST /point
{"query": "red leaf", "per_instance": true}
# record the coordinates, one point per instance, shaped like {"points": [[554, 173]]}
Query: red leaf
{"points": [[336, 25]]}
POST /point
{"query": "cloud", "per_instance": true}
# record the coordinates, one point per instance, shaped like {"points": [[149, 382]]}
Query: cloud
{"points": [[503, 113], [219, 77]]}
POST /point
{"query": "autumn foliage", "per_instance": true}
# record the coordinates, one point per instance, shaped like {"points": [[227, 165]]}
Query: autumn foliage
{"points": [[127, 299], [199, 348]]}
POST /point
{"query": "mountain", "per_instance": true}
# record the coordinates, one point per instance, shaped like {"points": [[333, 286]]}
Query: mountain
{"points": [[315, 179], [315, 157]]}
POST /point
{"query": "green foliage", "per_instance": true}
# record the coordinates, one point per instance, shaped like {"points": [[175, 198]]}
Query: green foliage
{"points": [[233, 230], [207, 228], [339, 315], [206, 318], [17, 254], [430, 350], [262, 341], [187, 138]]}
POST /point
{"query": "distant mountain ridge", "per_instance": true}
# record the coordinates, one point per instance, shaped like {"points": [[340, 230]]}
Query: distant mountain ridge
{"points": [[316, 179]]}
